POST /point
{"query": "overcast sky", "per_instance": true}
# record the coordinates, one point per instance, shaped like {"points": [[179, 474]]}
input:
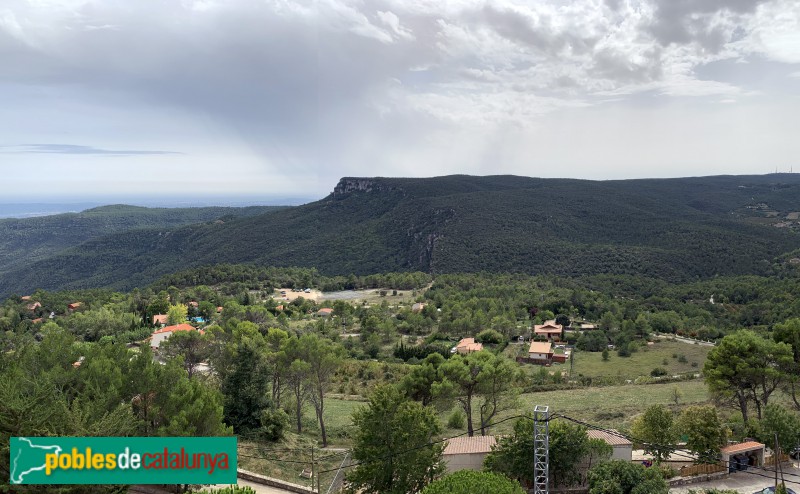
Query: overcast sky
{"points": [[274, 97]]}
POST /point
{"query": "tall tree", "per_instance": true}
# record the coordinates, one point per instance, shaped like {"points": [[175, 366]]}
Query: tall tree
{"points": [[460, 381], [392, 445], [703, 430], [654, 430], [497, 389], [177, 314], [418, 384], [323, 358], [296, 373], [747, 368], [783, 423], [789, 333], [246, 389], [191, 346]]}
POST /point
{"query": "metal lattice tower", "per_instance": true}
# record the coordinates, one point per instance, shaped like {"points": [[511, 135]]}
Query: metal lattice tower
{"points": [[541, 447]]}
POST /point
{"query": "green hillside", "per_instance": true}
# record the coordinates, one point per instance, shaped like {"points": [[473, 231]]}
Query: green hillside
{"points": [[672, 229], [24, 241]]}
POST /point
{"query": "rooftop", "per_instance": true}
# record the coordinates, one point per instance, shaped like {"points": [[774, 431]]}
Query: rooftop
{"points": [[540, 347], [610, 438], [177, 327], [467, 445], [741, 447]]}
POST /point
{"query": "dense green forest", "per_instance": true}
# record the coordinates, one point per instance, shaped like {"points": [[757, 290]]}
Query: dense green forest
{"points": [[24, 241], [283, 378], [676, 230]]}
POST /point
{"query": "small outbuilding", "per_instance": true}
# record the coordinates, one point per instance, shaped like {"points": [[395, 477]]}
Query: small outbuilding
{"points": [[742, 455], [623, 449], [541, 352], [467, 453]]}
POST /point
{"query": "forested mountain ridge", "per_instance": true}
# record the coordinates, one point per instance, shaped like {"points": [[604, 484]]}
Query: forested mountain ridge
{"points": [[672, 229], [23, 241]]}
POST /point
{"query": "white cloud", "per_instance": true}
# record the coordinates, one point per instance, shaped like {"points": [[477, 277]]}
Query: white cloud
{"points": [[335, 86]]}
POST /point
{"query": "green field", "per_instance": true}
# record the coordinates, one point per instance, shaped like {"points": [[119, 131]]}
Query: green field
{"points": [[662, 353]]}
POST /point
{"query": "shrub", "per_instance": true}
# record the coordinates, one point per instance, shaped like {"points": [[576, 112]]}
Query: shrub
{"points": [[682, 359], [469, 482], [457, 419], [233, 489], [667, 471], [273, 424], [658, 371], [489, 336]]}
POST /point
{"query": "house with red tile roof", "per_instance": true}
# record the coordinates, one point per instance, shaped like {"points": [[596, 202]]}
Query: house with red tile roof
{"points": [[74, 305], [747, 453], [160, 320], [541, 352], [549, 330], [467, 345], [160, 335], [32, 307], [325, 312]]}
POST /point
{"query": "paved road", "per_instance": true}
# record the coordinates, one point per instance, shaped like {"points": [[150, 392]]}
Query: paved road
{"points": [[745, 482], [688, 341]]}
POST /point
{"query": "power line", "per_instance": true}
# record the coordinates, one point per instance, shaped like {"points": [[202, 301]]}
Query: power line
{"points": [[275, 459], [672, 448], [427, 445]]}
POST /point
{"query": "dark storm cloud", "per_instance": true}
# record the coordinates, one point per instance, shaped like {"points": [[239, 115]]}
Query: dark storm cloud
{"points": [[298, 91], [686, 21], [614, 65], [536, 32]]}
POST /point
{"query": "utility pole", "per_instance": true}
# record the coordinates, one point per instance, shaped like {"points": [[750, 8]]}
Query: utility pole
{"points": [[313, 470], [571, 362], [777, 460], [541, 448]]}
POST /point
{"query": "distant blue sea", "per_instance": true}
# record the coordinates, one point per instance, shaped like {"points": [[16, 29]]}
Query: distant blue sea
{"points": [[34, 210], [20, 210]]}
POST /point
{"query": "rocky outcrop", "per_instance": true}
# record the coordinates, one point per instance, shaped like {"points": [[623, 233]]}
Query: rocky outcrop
{"points": [[353, 184]]}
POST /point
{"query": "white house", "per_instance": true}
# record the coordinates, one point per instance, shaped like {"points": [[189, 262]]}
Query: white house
{"points": [[163, 334], [541, 351], [467, 453]]}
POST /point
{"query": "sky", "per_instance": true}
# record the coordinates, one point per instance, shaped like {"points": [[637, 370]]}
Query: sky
{"points": [[274, 98]]}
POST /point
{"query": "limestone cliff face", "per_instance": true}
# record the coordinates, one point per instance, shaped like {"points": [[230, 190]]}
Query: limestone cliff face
{"points": [[354, 184]]}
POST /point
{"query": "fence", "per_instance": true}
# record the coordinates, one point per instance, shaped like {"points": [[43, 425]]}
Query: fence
{"points": [[704, 469], [770, 460], [336, 483]]}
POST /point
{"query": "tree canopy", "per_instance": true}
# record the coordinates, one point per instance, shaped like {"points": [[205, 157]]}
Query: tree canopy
{"points": [[392, 445]]}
